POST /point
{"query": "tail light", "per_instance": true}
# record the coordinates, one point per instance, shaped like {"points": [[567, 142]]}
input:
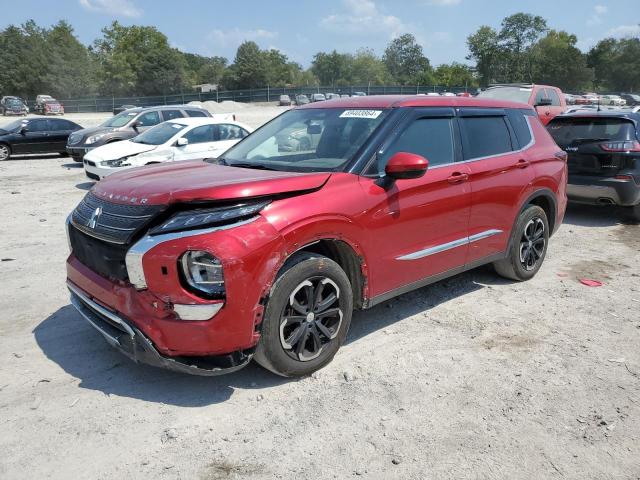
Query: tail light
{"points": [[623, 177], [625, 146]]}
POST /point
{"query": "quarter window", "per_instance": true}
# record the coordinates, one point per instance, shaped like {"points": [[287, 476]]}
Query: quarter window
{"points": [[518, 121], [196, 113], [149, 119], [485, 136], [430, 137]]}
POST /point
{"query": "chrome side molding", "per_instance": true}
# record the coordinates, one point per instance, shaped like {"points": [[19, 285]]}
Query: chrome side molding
{"points": [[449, 245]]}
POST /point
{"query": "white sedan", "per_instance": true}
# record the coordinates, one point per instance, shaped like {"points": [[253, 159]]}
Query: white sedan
{"points": [[178, 139]]}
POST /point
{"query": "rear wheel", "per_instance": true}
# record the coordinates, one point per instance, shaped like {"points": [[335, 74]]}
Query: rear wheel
{"points": [[635, 212], [5, 152], [307, 317], [528, 246]]}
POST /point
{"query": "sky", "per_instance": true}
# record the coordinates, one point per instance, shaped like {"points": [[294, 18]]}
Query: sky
{"points": [[304, 27]]}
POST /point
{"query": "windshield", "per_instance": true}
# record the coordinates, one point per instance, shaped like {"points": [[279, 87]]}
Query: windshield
{"points": [[159, 134], [307, 140], [566, 131], [13, 126], [119, 120], [514, 94], [14, 102]]}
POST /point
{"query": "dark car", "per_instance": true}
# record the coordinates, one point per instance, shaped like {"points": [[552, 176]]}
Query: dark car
{"points": [[603, 156], [127, 125], [631, 98], [13, 106], [36, 135]]}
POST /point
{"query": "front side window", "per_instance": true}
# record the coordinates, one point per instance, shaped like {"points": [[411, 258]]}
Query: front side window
{"points": [[149, 119], [171, 114], [307, 140], [431, 138], [201, 134], [555, 99], [38, 125], [159, 134], [485, 136]]}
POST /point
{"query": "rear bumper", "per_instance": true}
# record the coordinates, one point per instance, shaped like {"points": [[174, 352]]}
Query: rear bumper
{"points": [[130, 341], [602, 191]]}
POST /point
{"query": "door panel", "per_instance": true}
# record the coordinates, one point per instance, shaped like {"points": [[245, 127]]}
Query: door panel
{"points": [[497, 183], [36, 139], [58, 134], [419, 226]]}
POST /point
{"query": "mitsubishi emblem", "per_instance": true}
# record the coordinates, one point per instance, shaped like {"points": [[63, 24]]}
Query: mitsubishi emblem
{"points": [[94, 218]]}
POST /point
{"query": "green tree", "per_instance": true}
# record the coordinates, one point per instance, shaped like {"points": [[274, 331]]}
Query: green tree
{"points": [[202, 69], [331, 68], [405, 60], [367, 67], [557, 61], [455, 75], [484, 49], [248, 69], [616, 64], [138, 60]]}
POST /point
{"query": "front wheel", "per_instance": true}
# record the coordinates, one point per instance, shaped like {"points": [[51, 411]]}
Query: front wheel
{"points": [[528, 246], [307, 316], [5, 152]]}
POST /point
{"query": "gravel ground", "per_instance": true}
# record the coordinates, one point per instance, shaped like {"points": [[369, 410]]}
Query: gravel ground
{"points": [[473, 377]]}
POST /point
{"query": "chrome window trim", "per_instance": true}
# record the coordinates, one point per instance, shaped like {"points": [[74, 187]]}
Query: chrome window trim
{"points": [[134, 256], [449, 245]]}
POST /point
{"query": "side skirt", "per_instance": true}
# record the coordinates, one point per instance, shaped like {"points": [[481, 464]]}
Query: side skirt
{"points": [[432, 279]]}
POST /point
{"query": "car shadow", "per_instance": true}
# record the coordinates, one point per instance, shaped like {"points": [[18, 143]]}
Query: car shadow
{"points": [[596, 215], [72, 165], [69, 341], [85, 185]]}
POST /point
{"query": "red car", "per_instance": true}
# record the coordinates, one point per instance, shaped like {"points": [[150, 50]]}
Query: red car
{"points": [[548, 101], [199, 266]]}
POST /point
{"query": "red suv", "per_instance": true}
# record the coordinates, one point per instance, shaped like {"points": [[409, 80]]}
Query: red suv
{"points": [[199, 266], [548, 101]]}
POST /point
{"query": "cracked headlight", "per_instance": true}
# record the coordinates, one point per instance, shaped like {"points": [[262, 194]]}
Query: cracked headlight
{"points": [[209, 217], [202, 272]]}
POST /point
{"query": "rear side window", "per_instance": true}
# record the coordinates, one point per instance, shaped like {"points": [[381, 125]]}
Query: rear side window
{"points": [[485, 136], [518, 120], [231, 132], [566, 131], [171, 114], [201, 134], [540, 94], [430, 137], [61, 125], [196, 113]]}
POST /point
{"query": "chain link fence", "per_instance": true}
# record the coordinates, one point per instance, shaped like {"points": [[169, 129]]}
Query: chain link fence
{"points": [[267, 94]]}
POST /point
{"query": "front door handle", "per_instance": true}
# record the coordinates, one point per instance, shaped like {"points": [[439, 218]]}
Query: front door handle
{"points": [[458, 177], [522, 163]]}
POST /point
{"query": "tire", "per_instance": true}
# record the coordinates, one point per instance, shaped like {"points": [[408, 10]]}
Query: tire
{"points": [[635, 212], [5, 152], [64, 154], [527, 247], [297, 345]]}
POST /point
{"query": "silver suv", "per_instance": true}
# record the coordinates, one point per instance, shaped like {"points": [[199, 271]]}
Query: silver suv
{"points": [[127, 125]]}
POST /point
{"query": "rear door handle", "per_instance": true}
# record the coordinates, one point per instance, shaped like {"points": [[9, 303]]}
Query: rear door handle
{"points": [[458, 177], [522, 163]]}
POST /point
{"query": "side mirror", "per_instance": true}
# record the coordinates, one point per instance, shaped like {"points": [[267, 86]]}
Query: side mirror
{"points": [[543, 102], [24, 130], [136, 124], [181, 142], [404, 165]]}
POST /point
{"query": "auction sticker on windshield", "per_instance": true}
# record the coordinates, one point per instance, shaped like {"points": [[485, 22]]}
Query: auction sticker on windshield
{"points": [[360, 114]]}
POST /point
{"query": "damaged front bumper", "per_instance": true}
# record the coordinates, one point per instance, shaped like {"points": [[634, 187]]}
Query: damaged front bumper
{"points": [[134, 344]]}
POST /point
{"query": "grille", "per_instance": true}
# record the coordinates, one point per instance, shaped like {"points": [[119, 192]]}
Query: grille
{"points": [[114, 223], [106, 259]]}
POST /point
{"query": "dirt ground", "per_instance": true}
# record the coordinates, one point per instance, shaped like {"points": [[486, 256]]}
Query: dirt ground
{"points": [[473, 377]]}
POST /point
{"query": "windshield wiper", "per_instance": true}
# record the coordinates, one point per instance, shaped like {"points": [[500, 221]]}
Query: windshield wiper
{"points": [[588, 140], [255, 166]]}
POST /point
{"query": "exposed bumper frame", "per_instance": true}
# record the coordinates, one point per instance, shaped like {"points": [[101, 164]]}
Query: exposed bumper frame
{"points": [[134, 344]]}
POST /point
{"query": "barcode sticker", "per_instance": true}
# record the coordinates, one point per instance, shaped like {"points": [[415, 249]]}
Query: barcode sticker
{"points": [[360, 114]]}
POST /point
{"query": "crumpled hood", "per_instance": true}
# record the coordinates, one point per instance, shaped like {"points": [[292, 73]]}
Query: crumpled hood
{"points": [[116, 150], [197, 180]]}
